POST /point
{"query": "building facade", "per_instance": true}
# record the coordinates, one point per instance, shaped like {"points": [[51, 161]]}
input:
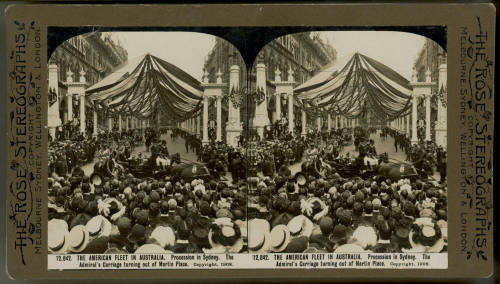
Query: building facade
{"points": [[302, 53], [85, 60], [432, 58]]}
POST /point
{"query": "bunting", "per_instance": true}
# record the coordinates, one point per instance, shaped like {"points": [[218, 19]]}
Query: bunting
{"points": [[356, 85], [236, 97], [147, 85]]}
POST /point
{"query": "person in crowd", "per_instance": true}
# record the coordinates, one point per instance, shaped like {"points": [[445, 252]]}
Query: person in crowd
{"points": [[187, 143], [326, 212]]}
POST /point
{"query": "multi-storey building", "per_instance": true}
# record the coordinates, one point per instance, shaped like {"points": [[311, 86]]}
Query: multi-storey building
{"points": [[94, 55], [303, 53], [431, 57]]}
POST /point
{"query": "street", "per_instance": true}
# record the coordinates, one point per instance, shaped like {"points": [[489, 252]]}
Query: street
{"points": [[177, 146]]}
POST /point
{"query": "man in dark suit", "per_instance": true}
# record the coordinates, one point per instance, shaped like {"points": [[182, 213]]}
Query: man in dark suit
{"points": [[384, 239], [441, 163], [367, 219], [186, 143]]}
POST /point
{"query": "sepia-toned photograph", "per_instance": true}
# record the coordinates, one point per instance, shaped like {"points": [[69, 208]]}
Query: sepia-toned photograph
{"points": [[347, 143], [332, 142], [249, 142]]}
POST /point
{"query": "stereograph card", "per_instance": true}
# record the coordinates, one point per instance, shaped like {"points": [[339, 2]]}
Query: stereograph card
{"points": [[249, 141]]}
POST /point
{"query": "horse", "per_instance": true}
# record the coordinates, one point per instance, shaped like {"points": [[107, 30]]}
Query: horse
{"points": [[392, 169]]}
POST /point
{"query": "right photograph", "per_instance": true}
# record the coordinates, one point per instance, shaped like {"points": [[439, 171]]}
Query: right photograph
{"points": [[346, 136]]}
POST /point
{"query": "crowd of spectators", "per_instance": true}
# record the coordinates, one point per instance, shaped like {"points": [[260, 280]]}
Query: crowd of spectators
{"points": [[263, 208]]}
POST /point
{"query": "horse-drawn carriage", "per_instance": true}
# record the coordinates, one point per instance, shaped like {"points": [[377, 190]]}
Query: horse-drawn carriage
{"points": [[347, 137], [161, 167], [349, 168]]}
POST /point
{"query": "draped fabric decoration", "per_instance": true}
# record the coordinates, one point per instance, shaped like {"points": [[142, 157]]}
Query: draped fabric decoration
{"points": [[259, 95], [236, 97], [146, 86], [52, 97], [357, 85]]}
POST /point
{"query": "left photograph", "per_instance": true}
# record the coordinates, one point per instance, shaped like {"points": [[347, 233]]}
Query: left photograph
{"points": [[140, 156]]}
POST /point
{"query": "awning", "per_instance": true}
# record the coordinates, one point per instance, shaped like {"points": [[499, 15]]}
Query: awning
{"points": [[147, 85], [356, 85]]}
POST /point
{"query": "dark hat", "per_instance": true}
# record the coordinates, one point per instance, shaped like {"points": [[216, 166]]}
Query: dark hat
{"points": [[385, 211], [85, 187], [92, 208], [360, 184], [339, 233], [205, 196], [200, 234], [345, 217], [280, 204], [164, 206], [140, 195], [384, 198], [78, 205], [146, 201], [297, 245], [359, 196], [326, 225], [79, 219], [441, 214], [154, 209], [358, 208], [85, 179], [205, 208], [154, 195], [384, 230], [396, 212], [409, 209], [142, 217], [124, 225], [106, 188], [97, 246], [113, 250], [263, 199], [368, 206], [182, 212], [401, 237], [350, 201], [294, 208], [345, 195], [238, 214], [183, 231], [137, 233]]}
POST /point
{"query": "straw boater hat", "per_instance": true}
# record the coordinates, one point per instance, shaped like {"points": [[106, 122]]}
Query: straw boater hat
{"points": [[58, 238], [366, 236], [280, 238], [349, 248], [78, 238], [151, 248], [98, 226], [225, 236], [429, 238], [259, 236], [164, 236], [300, 226]]}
